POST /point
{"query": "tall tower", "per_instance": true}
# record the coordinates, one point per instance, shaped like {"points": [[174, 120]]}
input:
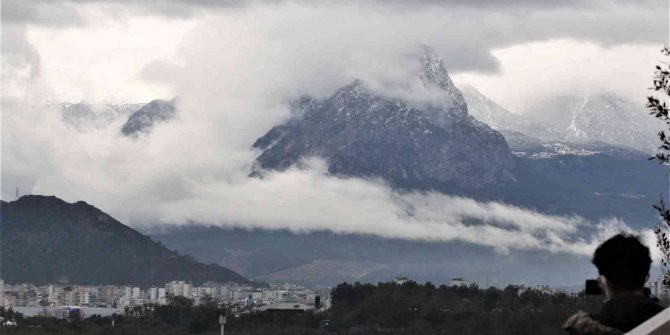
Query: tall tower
{"points": [[17, 193]]}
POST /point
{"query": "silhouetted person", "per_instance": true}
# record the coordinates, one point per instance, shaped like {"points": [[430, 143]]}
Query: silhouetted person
{"points": [[623, 264]]}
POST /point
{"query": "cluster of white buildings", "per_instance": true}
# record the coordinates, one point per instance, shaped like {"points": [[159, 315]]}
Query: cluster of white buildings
{"points": [[229, 293], [128, 296]]}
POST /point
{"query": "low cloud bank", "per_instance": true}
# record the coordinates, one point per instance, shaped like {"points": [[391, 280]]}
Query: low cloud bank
{"points": [[307, 199]]}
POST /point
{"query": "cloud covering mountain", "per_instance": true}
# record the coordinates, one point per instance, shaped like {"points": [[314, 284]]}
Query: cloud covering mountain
{"points": [[236, 87]]}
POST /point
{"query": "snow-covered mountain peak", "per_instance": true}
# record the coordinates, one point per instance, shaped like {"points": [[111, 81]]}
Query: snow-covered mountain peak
{"points": [[356, 91], [434, 74], [362, 132]]}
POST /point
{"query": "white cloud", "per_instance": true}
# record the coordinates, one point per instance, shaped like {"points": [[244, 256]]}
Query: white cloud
{"points": [[536, 71], [182, 174], [100, 58], [234, 72], [103, 62]]}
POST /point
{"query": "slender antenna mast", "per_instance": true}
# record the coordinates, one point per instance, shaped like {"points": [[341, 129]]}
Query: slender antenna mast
{"points": [[17, 193]]}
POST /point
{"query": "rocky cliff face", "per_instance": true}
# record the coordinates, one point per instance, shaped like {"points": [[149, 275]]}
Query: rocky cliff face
{"points": [[145, 118], [365, 134]]}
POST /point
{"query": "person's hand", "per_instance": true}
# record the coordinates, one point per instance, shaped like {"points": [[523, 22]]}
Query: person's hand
{"points": [[582, 323]]}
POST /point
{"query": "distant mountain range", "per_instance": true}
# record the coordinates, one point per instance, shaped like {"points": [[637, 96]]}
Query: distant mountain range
{"points": [[47, 240], [139, 118], [455, 147], [603, 117], [571, 155], [442, 146], [320, 259]]}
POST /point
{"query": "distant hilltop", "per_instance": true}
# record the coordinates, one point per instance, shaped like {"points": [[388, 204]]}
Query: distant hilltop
{"points": [[48, 240]]}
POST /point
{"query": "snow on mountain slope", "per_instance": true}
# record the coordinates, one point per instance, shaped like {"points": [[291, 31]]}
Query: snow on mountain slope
{"points": [[365, 134], [144, 119], [87, 116], [603, 117]]}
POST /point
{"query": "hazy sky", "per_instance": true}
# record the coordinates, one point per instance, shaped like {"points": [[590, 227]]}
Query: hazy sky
{"points": [[516, 52], [235, 64]]}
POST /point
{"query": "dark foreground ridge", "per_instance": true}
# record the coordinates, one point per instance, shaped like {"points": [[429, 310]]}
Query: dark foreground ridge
{"points": [[47, 240]]}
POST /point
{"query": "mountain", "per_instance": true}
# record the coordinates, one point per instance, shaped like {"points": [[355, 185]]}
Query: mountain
{"points": [[366, 134], [47, 240], [488, 111], [520, 142], [324, 273], [86, 116], [140, 118], [602, 117], [144, 119], [441, 147]]}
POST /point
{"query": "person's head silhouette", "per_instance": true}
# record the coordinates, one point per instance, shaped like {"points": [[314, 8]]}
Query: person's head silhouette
{"points": [[623, 263]]}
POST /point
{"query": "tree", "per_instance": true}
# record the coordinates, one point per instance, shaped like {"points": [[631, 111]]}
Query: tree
{"points": [[659, 109]]}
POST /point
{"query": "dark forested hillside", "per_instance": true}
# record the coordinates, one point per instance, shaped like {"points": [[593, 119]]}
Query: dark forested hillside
{"points": [[47, 240]]}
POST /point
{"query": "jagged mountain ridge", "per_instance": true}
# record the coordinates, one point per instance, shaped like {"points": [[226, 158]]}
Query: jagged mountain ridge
{"points": [[488, 111], [434, 73], [140, 118], [47, 240], [601, 117], [365, 134], [86, 116], [144, 119]]}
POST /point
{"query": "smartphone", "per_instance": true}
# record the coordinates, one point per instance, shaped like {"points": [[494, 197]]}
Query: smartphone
{"points": [[592, 287]]}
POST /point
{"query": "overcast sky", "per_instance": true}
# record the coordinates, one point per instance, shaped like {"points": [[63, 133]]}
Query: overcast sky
{"points": [[235, 64], [513, 51]]}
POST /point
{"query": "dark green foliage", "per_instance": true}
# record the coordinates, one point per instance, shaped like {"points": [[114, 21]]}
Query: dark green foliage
{"points": [[10, 315], [47, 240], [425, 309], [660, 111]]}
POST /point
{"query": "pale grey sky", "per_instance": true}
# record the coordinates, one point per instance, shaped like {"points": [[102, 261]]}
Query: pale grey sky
{"points": [[489, 43]]}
